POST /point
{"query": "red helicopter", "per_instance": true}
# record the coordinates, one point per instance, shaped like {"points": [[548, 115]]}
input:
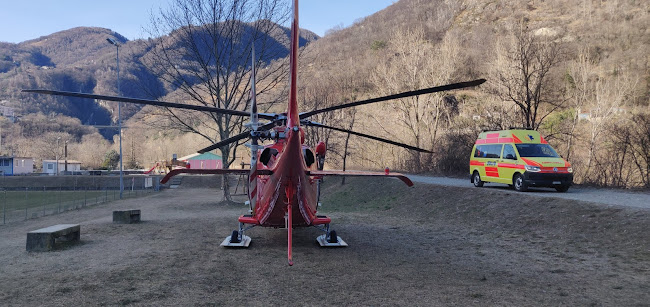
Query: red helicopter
{"points": [[285, 176]]}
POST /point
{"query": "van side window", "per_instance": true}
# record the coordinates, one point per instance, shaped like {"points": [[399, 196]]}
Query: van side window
{"points": [[478, 153], [509, 152], [488, 151]]}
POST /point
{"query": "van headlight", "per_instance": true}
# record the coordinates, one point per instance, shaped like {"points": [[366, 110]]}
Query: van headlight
{"points": [[569, 169], [531, 168]]}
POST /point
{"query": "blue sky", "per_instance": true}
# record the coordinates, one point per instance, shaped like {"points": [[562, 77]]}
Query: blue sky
{"points": [[22, 20]]}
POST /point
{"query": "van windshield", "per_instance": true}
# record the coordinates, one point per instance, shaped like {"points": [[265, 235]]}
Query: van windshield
{"points": [[536, 150]]}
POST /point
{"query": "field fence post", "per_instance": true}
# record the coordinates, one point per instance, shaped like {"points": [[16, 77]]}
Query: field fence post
{"points": [[85, 196], [44, 200], [4, 209], [26, 202]]}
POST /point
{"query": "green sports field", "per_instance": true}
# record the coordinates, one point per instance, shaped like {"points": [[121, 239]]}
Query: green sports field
{"points": [[33, 203]]}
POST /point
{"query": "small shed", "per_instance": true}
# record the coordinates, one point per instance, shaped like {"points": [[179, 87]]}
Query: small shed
{"points": [[49, 166], [203, 161], [23, 165]]}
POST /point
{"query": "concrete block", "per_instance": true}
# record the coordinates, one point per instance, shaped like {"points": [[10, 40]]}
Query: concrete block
{"points": [[42, 240], [126, 216]]}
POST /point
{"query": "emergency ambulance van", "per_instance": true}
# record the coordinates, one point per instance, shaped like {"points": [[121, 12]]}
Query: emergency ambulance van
{"points": [[520, 158]]}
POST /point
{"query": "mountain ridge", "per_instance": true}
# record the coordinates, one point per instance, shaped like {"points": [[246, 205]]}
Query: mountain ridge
{"points": [[79, 59]]}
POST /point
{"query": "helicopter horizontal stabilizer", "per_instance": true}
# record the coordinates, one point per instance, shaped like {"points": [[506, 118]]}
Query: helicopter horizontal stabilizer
{"points": [[360, 174], [210, 171]]}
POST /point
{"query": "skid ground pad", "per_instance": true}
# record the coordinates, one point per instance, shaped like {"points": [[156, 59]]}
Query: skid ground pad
{"points": [[322, 240], [245, 241]]}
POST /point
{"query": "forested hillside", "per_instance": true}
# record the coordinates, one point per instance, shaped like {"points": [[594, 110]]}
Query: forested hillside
{"points": [[586, 86]]}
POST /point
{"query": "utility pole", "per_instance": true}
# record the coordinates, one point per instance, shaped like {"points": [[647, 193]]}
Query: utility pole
{"points": [[57, 155], [119, 113], [66, 157]]}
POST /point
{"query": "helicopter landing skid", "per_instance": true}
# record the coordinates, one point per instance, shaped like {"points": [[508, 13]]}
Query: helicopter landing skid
{"points": [[243, 243], [322, 240]]}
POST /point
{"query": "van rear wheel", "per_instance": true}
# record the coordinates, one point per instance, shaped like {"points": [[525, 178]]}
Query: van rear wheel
{"points": [[477, 180], [519, 183]]}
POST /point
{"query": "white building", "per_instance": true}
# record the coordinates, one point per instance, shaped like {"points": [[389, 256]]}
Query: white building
{"points": [[49, 166], [23, 165], [6, 111], [16, 165]]}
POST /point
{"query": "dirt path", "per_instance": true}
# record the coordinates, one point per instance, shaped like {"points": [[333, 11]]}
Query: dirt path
{"points": [[597, 195], [421, 246]]}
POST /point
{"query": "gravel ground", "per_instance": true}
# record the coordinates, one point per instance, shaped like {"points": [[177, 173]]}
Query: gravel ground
{"points": [[612, 197], [422, 246]]}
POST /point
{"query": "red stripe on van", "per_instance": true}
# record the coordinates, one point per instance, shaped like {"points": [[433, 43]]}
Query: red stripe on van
{"points": [[516, 139], [492, 171], [510, 165], [531, 162], [506, 140], [492, 135], [476, 163]]}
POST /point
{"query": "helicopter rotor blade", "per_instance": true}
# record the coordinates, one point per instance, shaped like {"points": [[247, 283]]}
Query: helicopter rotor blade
{"points": [[227, 141], [315, 124], [148, 102], [430, 90], [237, 137]]}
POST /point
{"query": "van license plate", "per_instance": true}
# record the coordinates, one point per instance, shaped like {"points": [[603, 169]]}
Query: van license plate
{"points": [[557, 182]]}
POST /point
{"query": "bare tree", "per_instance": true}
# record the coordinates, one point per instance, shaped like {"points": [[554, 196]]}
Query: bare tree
{"points": [[609, 96], [318, 92], [639, 141], [203, 53], [523, 75], [325, 86], [350, 114], [579, 83], [417, 63], [90, 151], [134, 140]]}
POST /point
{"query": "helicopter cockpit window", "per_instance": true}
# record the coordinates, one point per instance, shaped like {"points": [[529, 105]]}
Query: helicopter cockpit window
{"points": [[309, 157], [266, 155]]}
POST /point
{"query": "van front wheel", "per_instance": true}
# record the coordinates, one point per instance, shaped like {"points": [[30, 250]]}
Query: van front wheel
{"points": [[477, 180], [519, 184]]}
